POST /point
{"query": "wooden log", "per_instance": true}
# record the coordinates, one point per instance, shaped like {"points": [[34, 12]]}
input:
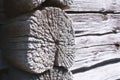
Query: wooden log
{"points": [[107, 72], [37, 41], [103, 35], [53, 74], [14, 8], [83, 23], [97, 46], [95, 6], [87, 17]]}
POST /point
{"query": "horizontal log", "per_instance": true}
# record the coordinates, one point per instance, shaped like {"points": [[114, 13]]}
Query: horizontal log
{"points": [[105, 39], [93, 17], [92, 57], [94, 28], [39, 40], [95, 24], [108, 72], [96, 6], [87, 17], [91, 51], [97, 46]]}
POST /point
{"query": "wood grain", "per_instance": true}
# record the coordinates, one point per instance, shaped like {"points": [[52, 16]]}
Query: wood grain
{"points": [[97, 43], [96, 6]]}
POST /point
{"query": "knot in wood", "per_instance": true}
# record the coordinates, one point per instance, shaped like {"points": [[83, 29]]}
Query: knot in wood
{"points": [[117, 45], [116, 30]]}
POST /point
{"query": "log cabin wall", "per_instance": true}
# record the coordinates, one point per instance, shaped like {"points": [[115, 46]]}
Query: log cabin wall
{"points": [[36, 40], [97, 39]]}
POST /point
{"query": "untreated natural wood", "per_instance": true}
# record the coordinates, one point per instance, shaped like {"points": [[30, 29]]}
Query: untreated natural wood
{"points": [[107, 72], [97, 39], [96, 6], [97, 44], [53, 74], [37, 41]]}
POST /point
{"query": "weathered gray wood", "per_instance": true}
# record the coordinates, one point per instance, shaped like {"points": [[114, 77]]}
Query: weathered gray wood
{"points": [[90, 24], [53, 74], [96, 5], [107, 72], [40, 40], [14, 8], [96, 34], [83, 18], [87, 17], [97, 44]]}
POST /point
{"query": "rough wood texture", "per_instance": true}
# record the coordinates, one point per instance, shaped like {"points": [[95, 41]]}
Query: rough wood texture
{"points": [[39, 40], [107, 72], [97, 44], [96, 6], [97, 39], [14, 8], [53, 74]]}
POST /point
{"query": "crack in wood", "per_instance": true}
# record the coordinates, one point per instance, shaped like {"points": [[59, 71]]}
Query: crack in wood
{"points": [[100, 12], [95, 46], [97, 34], [107, 62]]}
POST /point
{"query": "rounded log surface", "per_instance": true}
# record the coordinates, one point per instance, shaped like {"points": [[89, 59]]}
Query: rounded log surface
{"points": [[40, 40]]}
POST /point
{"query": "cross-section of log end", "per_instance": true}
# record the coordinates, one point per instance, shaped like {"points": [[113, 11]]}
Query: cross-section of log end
{"points": [[36, 39]]}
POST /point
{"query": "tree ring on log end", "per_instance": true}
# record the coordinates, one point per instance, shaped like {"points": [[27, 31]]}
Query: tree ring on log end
{"points": [[30, 44]]}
